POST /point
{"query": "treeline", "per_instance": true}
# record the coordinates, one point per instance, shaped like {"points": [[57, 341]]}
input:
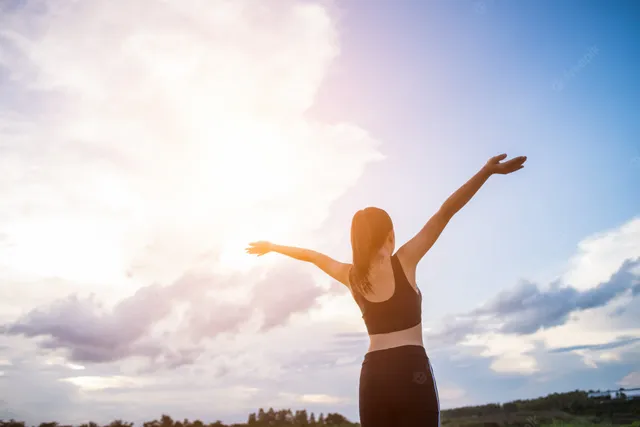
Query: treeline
{"points": [[574, 402], [299, 418], [270, 417]]}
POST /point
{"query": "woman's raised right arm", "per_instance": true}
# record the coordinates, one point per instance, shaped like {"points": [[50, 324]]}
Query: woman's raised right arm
{"points": [[336, 269]]}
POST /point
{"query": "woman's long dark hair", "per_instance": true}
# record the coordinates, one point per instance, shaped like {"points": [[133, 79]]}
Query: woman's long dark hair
{"points": [[369, 229]]}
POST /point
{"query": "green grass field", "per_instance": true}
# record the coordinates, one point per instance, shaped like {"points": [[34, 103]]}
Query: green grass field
{"points": [[542, 419]]}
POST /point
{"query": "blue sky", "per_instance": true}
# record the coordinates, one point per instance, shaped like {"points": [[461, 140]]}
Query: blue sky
{"points": [[142, 148], [447, 84]]}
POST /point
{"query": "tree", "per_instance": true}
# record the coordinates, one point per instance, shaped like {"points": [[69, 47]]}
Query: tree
{"points": [[166, 421], [576, 407], [289, 417], [335, 419], [281, 416], [510, 407], [271, 417], [252, 420], [301, 418]]}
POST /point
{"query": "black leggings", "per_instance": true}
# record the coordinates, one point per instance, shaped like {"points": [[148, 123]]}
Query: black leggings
{"points": [[397, 389]]}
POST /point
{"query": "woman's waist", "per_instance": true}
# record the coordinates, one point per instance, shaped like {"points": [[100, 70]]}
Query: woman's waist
{"points": [[406, 337]]}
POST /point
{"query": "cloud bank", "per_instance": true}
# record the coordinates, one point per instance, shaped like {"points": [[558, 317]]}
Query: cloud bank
{"points": [[145, 141], [142, 146], [526, 309], [521, 329]]}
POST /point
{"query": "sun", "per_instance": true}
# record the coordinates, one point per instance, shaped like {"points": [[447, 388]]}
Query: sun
{"points": [[253, 163], [233, 256]]}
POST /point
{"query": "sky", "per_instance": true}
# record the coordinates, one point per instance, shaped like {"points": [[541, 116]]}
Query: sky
{"points": [[144, 145]]}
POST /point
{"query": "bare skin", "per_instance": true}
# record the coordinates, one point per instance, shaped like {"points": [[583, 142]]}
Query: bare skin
{"points": [[409, 254]]}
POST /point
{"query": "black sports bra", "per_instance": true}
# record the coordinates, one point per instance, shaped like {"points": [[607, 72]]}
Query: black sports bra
{"points": [[402, 311]]}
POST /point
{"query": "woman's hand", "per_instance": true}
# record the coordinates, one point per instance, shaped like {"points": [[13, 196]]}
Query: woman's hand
{"points": [[259, 248], [494, 165]]}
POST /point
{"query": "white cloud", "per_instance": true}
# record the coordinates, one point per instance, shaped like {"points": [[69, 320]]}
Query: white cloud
{"points": [[152, 139], [91, 383], [587, 333], [159, 133], [631, 380], [601, 255], [322, 398], [509, 352], [518, 354], [609, 356], [451, 393], [62, 362]]}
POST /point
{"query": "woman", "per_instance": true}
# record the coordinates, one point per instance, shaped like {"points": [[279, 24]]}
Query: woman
{"points": [[397, 387]]}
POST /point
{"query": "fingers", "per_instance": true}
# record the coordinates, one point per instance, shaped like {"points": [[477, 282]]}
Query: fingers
{"points": [[511, 163], [499, 157], [255, 248], [520, 159], [516, 161]]}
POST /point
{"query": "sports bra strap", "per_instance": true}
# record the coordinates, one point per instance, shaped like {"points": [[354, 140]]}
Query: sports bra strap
{"points": [[398, 272]]}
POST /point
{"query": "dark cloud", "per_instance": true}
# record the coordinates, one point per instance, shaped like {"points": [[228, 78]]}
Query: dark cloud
{"points": [[170, 359], [338, 352], [212, 318], [92, 333], [526, 308], [621, 342], [284, 293], [536, 309], [455, 330]]}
